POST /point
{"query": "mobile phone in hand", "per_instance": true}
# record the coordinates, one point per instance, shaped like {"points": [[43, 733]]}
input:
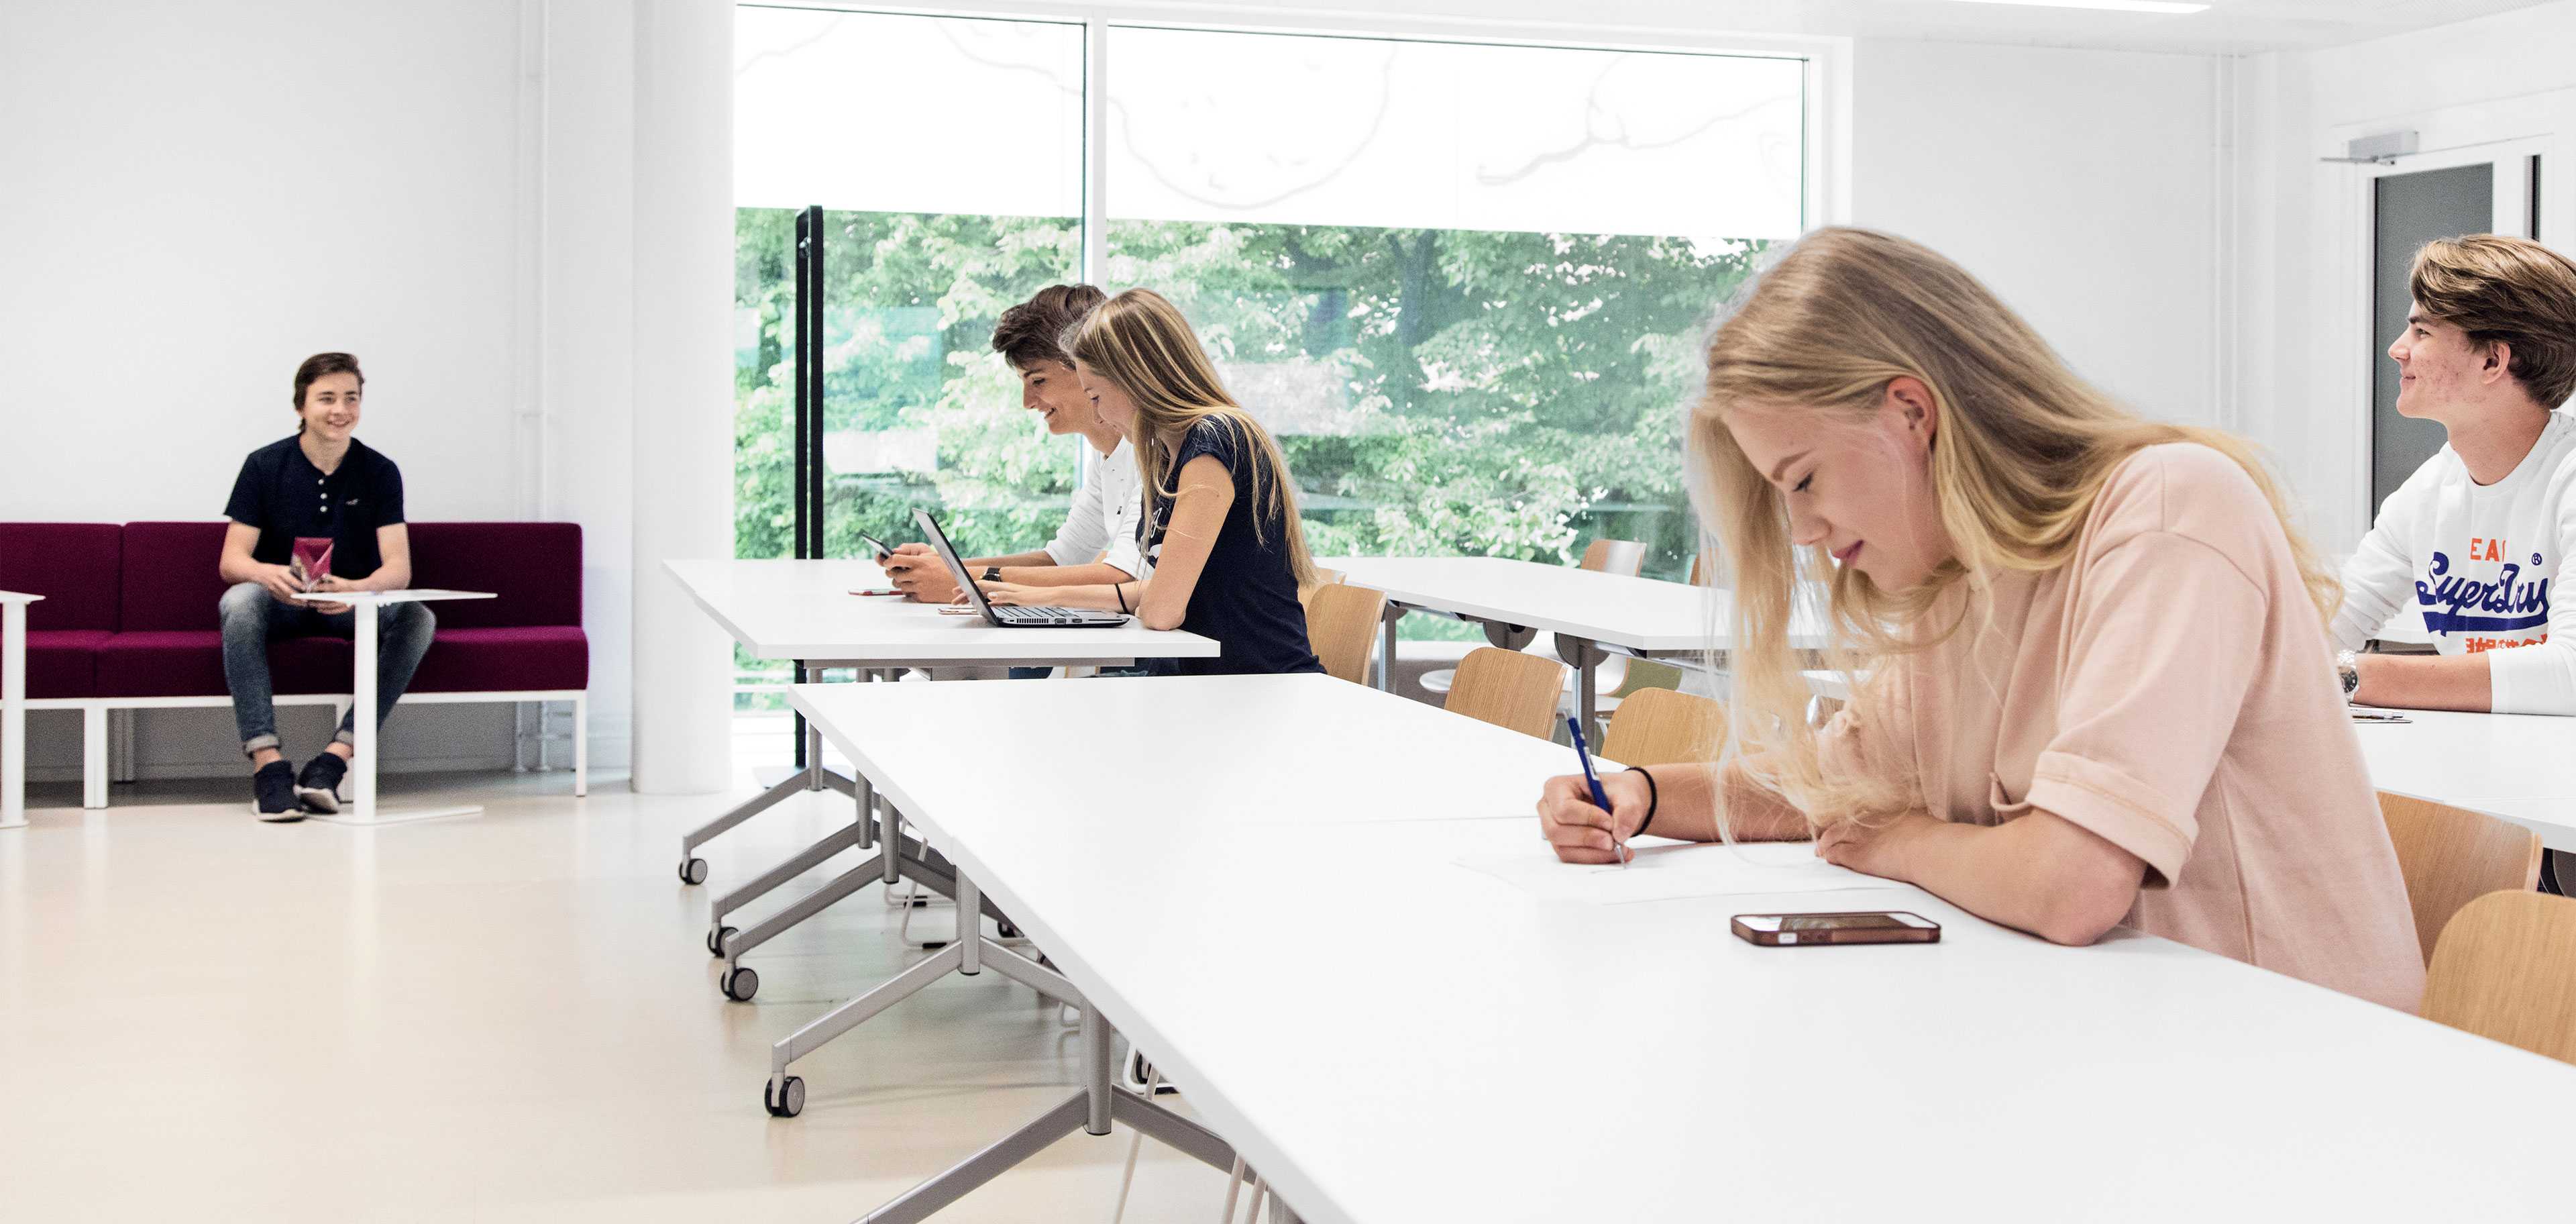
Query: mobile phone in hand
{"points": [[882, 552], [1798, 930]]}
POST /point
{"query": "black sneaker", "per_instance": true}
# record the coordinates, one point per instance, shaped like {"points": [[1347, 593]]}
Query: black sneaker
{"points": [[273, 792], [319, 785]]}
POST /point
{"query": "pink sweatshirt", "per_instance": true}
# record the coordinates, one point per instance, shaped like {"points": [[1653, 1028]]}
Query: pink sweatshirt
{"points": [[2171, 691]]}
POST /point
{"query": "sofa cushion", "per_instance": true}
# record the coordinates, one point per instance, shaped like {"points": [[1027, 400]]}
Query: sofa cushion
{"points": [[190, 663], [170, 579], [73, 565], [62, 663], [534, 569], [521, 659]]}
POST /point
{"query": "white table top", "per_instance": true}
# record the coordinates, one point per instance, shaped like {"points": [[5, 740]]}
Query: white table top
{"points": [[1639, 614], [1390, 1036], [413, 595], [804, 610], [2521, 767], [18, 597]]}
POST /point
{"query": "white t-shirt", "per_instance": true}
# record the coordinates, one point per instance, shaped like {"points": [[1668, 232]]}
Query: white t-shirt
{"points": [[1106, 511], [2478, 563]]}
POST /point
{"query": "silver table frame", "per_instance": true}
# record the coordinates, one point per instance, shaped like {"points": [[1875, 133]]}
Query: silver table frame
{"points": [[1091, 1111], [1583, 654]]}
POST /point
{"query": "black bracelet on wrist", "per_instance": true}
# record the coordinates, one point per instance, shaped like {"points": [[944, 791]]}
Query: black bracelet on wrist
{"points": [[1119, 590], [1651, 798]]}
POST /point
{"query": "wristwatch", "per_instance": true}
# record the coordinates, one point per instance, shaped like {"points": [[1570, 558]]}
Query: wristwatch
{"points": [[993, 573], [2348, 669]]}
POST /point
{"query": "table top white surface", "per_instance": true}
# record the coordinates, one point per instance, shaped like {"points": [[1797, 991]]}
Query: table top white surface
{"points": [[1389, 1036], [2521, 767], [805, 610], [1639, 614], [18, 597], [411, 595]]}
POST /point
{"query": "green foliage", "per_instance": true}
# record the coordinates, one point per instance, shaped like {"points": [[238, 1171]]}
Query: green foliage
{"points": [[1435, 391]]}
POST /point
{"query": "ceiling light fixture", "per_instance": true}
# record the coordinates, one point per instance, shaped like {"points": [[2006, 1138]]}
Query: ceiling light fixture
{"points": [[2117, 6]]}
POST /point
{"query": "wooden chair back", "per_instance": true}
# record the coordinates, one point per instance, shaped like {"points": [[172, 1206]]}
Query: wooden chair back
{"points": [[1508, 689], [2452, 856], [2505, 969], [1659, 726], [1323, 578], [1341, 624], [1615, 557], [1703, 569]]}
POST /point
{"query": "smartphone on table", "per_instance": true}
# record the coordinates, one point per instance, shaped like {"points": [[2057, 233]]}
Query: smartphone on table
{"points": [[1861, 927]]}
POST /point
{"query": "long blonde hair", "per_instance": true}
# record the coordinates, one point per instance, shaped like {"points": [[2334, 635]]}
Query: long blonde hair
{"points": [[2021, 449], [1139, 341]]}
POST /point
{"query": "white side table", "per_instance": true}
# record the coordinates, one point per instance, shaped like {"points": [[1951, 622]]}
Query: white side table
{"points": [[13, 708], [363, 605]]}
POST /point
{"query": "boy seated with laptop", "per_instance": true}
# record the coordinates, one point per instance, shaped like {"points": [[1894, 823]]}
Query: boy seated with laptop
{"points": [[1098, 542]]}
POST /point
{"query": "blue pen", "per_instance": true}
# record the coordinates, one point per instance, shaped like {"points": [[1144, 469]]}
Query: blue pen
{"points": [[1592, 779]]}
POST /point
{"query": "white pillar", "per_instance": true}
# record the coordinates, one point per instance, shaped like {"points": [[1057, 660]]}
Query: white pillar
{"points": [[683, 386]]}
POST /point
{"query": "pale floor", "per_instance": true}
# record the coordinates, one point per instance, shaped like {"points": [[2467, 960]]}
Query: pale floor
{"points": [[505, 1017]]}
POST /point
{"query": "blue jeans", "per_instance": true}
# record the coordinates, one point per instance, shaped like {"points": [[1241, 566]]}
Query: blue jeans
{"points": [[253, 618]]}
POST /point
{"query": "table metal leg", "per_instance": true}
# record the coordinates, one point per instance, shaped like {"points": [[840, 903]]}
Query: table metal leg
{"points": [[694, 870], [1386, 646], [969, 953], [1091, 1111], [13, 715], [1585, 657], [805, 860], [799, 910]]}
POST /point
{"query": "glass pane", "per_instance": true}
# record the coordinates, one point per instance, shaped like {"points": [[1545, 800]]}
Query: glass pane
{"points": [[933, 226], [1459, 314]]}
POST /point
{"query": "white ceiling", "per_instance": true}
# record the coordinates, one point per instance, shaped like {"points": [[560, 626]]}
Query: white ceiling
{"points": [[2225, 27]]}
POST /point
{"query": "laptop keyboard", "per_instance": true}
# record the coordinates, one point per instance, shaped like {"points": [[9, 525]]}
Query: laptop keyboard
{"points": [[1042, 615]]}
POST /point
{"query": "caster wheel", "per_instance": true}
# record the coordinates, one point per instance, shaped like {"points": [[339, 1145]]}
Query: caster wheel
{"points": [[740, 984], [716, 940], [785, 1100], [693, 871]]}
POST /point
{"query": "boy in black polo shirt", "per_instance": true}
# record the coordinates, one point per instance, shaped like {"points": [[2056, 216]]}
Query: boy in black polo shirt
{"points": [[320, 485]]}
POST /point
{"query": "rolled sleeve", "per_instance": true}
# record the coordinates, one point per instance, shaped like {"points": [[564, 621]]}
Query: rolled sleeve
{"points": [[2165, 642]]}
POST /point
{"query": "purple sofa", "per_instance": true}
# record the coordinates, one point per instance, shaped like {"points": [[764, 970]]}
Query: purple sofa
{"points": [[129, 619]]}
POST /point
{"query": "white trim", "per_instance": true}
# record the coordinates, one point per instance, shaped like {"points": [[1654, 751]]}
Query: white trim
{"points": [[94, 711]]}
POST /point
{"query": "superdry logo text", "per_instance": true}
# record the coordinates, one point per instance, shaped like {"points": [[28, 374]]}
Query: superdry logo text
{"points": [[2455, 603]]}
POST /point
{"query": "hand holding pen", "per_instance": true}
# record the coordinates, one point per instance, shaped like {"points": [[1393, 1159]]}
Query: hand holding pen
{"points": [[1619, 852]]}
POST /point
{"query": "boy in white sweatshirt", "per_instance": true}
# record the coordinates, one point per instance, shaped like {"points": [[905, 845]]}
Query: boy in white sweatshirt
{"points": [[2477, 539]]}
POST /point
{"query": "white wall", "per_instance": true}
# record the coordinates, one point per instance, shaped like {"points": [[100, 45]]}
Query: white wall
{"points": [[2078, 185], [2303, 371], [201, 195], [198, 195]]}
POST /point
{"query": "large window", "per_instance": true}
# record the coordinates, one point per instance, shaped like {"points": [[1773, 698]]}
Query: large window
{"points": [[1462, 282]]}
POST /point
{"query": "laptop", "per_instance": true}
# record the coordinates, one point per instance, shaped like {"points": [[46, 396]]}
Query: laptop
{"points": [[1007, 618]]}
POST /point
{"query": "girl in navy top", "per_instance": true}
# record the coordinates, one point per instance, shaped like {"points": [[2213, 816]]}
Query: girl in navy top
{"points": [[1221, 530]]}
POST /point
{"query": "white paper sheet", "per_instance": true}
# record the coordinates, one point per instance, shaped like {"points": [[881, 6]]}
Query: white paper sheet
{"points": [[1663, 873]]}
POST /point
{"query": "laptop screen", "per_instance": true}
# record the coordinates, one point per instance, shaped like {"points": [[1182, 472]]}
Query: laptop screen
{"points": [[956, 568]]}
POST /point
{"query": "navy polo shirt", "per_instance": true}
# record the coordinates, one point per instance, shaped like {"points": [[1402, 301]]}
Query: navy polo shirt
{"points": [[280, 492]]}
